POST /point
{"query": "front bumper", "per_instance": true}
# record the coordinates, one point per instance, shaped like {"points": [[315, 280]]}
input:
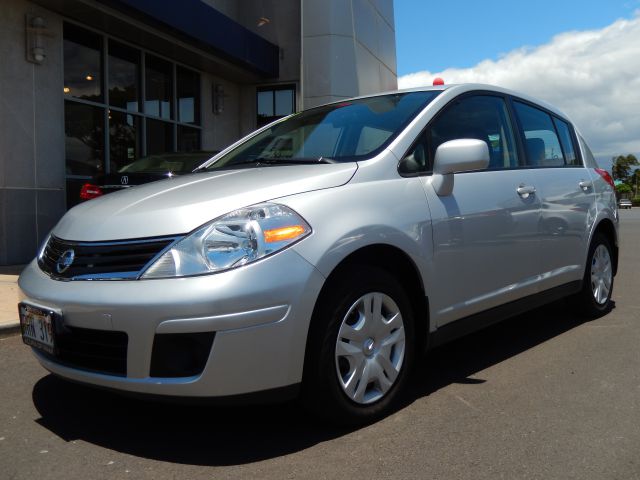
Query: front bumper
{"points": [[260, 314]]}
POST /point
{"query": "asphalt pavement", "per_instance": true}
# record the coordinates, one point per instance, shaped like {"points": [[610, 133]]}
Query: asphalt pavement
{"points": [[544, 395]]}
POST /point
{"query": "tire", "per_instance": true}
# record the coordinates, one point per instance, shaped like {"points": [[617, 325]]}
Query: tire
{"points": [[349, 346], [594, 300]]}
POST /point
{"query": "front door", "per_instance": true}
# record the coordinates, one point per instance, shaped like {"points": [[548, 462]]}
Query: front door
{"points": [[485, 234]]}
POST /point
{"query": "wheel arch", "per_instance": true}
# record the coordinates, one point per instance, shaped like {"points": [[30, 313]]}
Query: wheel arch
{"points": [[608, 229], [402, 267]]}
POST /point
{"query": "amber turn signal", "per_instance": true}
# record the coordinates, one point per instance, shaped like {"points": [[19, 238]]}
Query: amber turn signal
{"points": [[284, 233]]}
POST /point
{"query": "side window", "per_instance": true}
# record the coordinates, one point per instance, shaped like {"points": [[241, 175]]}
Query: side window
{"points": [[540, 140], [589, 159], [483, 117], [566, 141]]}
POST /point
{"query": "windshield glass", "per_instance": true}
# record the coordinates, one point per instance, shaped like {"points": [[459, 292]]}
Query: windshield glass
{"points": [[184, 162], [340, 132]]}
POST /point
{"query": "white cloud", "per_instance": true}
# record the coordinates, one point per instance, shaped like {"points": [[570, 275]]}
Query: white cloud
{"points": [[592, 76]]}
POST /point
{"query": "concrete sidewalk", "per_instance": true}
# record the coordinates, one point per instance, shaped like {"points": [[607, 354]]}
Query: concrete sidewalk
{"points": [[9, 323]]}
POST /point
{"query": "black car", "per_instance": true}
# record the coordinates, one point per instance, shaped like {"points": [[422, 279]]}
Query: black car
{"points": [[145, 170]]}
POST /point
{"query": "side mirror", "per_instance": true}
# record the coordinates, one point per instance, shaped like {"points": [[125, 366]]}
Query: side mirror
{"points": [[454, 156]]}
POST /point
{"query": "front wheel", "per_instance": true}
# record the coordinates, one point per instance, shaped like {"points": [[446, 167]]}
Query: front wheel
{"points": [[594, 300], [361, 346]]}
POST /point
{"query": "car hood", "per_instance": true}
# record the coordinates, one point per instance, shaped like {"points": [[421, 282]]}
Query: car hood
{"points": [[179, 205]]}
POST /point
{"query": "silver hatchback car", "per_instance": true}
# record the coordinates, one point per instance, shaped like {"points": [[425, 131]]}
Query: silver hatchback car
{"points": [[321, 254]]}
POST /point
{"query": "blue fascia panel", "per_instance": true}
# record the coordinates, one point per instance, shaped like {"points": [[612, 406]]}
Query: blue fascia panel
{"points": [[211, 28]]}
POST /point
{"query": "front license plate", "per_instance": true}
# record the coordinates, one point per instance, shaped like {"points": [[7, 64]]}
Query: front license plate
{"points": [[38, 327]]}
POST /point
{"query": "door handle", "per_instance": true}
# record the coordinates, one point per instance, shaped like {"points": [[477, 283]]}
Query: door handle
{"points": [[525, 190], [584, 185]]}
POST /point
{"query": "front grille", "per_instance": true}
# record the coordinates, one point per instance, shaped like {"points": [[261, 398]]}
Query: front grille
{"points": [[100, 260], [100, 351]]}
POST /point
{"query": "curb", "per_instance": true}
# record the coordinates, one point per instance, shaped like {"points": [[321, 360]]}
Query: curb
{"points": [[9, 329]]}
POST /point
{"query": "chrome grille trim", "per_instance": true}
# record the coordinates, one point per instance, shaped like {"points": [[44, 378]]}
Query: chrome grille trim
{"points": [[111, 260]]}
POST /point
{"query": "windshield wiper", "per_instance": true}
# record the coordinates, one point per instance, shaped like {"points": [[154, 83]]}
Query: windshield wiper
{"points": [[259, 161], [288, 161]]}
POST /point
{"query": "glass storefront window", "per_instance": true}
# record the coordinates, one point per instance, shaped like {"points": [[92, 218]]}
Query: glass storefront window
{"points": [[84, 139], [124, 139], [82, 64], [188, 86], [265, 104], [106, 93], [284, 102], [274, 103], [158, 86], [124, 76], [188, 139], [159, 137]]}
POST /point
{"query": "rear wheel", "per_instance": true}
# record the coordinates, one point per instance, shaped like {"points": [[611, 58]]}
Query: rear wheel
{"points": [[361, 346], [594, 300]]}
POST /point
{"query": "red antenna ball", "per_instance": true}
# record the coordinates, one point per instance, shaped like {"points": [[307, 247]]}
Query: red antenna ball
{"points": [[438, 81]]}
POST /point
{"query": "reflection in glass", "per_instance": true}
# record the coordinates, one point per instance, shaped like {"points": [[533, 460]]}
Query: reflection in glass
{"points": [[181, 162], [158, 87], [188, 139], [84, 139], [565, 139], [275, 103], [82, 63], [284, 102], [188, 96], [265, 104], [124, 73], [124, 139], [159, 137]]}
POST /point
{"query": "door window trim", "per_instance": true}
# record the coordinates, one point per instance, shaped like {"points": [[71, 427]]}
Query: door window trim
{"points": [[473, 93]]}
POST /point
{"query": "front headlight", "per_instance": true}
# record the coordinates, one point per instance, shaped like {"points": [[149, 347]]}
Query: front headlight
{"points": [[235, 239]]}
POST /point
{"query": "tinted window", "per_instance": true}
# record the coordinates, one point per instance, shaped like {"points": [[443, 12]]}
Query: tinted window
{"points": [[124, 139], [188, 139], [274, 103], [158, 87], [540, 140], [159, 137], [84, 139], [124, 76], [82, 63], [590, 160], [566, 141], [482, 117], [188, 96]]}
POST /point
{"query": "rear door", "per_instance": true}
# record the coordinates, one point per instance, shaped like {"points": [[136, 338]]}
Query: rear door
{"points": [[485, 234], [565, 190]]}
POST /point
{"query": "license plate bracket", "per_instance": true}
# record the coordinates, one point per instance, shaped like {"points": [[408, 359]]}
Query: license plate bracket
{"points": [[38, 327]]}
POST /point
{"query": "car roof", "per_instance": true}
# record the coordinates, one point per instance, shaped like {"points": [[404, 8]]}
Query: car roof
{"points": [[459, 88]]}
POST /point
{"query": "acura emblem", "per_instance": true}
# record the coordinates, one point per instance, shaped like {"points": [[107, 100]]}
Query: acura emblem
{"points": [[65, 261], [124, 180]]}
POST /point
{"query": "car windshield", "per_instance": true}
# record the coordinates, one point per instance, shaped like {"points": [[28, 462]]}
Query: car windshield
{"points": [[183, 162], [340, 132]]}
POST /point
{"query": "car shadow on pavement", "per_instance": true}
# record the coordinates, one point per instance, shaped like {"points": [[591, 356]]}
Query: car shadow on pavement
{"points": [[215, 436], [458, 361]]}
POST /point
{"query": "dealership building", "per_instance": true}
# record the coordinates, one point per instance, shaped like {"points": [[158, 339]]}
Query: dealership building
{"points": [[88, 86]]}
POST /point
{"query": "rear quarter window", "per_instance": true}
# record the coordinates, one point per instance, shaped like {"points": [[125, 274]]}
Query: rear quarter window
{"points": [[566, 139]]}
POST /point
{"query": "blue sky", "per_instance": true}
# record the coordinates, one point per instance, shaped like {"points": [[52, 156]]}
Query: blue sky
{"points": [[434, 35], [580, 56]]}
